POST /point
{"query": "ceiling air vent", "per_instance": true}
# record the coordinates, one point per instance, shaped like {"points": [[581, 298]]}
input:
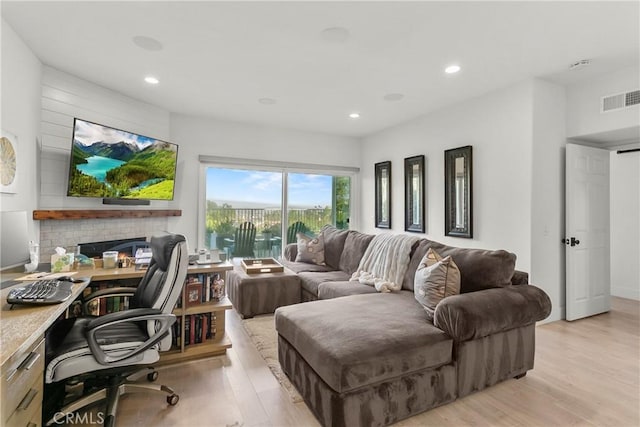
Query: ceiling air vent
{"points": [[620, 100]]}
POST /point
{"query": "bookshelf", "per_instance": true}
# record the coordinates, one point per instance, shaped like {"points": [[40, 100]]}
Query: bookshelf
{"points": [[200, 327], [204, 313]]}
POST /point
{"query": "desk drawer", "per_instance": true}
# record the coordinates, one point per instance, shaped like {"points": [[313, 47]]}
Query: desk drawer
{"points": [[28, 413], [22, 382]]}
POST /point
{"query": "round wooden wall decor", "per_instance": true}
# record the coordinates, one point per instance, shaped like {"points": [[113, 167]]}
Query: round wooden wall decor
{"points": [[8, 163]]}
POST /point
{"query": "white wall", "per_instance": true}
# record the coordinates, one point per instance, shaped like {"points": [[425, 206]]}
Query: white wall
{"points": [[518, 137], [625, 224], [202, 136], [20, 115], [583, 104], [547, 193], [498, 126]]}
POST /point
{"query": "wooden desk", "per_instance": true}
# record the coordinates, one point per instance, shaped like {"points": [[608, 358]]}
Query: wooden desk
{"points": [[23, 325], [22, 331]]}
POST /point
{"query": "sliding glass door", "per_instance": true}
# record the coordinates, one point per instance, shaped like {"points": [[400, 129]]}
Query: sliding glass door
{"points": [[245, 209]]}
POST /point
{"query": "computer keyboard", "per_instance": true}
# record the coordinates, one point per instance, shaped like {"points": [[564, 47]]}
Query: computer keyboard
{"points": [[46, 291]]}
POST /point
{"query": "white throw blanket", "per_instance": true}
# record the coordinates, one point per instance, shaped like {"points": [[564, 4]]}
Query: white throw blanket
{"points": [[385, 261]]}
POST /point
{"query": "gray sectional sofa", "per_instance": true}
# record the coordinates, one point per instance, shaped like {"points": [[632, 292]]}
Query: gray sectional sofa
{"points": [[363, 358]]}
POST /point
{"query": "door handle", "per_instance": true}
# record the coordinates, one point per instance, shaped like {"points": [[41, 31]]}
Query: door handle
{"points": [[572, 242]]}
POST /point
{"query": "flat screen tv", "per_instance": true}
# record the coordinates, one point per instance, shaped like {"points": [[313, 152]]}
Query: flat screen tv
{"points": [[117, 165]]}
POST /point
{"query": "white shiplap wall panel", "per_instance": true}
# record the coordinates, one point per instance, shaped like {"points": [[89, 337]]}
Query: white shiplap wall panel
{"points": [[56, 118], [103, 103], [54, 129], [63, 98], [54, 141]]}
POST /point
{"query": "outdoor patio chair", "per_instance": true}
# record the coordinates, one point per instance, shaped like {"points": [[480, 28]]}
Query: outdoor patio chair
{"points": [[295, 228], [244, 240]]}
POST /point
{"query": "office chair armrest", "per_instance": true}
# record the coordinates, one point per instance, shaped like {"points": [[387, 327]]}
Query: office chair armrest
{"points": [[118, 316], [163, 323], [108, 292]]}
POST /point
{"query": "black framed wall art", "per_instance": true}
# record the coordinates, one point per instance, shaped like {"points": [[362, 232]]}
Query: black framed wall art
{"points": [[458, 192], [383, 194], [414, 203]]}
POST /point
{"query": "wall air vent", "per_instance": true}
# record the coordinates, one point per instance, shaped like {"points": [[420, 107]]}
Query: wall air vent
{"points": [[620, 100]]}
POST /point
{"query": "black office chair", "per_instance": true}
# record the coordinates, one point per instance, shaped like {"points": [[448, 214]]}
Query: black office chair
{"points": [[101, 352]]}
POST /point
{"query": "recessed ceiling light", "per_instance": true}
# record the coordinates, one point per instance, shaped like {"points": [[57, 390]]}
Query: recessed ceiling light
{"points": [[151, 80], [147, 43], [452, 69], [267, 101], [393, 97], [335, 34], [354, 115]]}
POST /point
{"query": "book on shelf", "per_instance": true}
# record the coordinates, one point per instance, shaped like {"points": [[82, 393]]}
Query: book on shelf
{"points": [[205, 327], [177, 332], [192, 329], [207, 288], [198, 334], [187, 330], [193, 293]]}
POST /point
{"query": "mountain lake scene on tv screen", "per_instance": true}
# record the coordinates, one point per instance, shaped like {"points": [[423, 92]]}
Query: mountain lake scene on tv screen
{"points": [[133, 167]]}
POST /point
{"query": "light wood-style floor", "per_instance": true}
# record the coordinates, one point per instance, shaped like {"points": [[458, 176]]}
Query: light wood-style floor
{"points": [[586, 374]]}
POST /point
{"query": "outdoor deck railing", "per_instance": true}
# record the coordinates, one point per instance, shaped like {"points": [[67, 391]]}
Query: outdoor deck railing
{"points": [[223, 221]]}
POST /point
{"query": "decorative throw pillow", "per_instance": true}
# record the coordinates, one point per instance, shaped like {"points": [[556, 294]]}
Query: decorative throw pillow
{"points": [[310, 249], [436, 278]]}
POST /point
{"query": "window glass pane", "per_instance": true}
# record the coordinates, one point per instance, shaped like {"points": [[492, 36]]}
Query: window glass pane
{"points": [[316, 200], [236, 197]]}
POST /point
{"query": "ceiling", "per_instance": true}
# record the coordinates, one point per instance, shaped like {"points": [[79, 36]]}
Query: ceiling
{"points": [[218, 59]]}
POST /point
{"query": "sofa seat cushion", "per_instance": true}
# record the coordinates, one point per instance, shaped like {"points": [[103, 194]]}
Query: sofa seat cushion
{"points": [[299, 267], [364, 339], [311, 280], [328, 290]]}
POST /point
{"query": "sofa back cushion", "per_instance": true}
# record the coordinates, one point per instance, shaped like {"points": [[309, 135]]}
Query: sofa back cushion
{"points": [[333, 245], [479, 268], [354, 247], [418, 251]]}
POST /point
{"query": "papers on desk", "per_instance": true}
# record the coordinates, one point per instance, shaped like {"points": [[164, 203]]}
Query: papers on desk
{"points": [[41, 275], [143, 257]]}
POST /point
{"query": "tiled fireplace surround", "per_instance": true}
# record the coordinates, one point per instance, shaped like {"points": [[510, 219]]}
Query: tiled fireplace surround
{"points": [[71, 232]]}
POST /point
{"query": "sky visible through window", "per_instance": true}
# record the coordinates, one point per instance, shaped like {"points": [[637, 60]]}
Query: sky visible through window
{"points": [[250, 188]]}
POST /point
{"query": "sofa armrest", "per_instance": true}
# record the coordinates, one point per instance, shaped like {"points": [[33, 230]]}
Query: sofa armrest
{"points": [[478, 314], [291, 251]]}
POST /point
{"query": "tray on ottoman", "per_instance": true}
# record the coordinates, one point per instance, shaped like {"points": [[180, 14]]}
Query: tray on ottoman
{"points": [[261, 265]]}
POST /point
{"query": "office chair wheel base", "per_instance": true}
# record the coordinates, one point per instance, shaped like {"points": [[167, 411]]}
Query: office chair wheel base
{"points": [[152, 376], [173, 399], [109, 421]]}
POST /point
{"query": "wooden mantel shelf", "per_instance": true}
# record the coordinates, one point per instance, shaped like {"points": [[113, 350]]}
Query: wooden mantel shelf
{"points": [[104, 213]]}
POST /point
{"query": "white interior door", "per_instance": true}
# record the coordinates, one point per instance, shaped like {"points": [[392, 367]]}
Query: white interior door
{"points": [[587, 228]]}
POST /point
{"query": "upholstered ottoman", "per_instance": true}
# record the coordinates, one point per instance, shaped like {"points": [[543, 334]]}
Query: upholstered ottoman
{"points": [[253, 294], [365, 360]]}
